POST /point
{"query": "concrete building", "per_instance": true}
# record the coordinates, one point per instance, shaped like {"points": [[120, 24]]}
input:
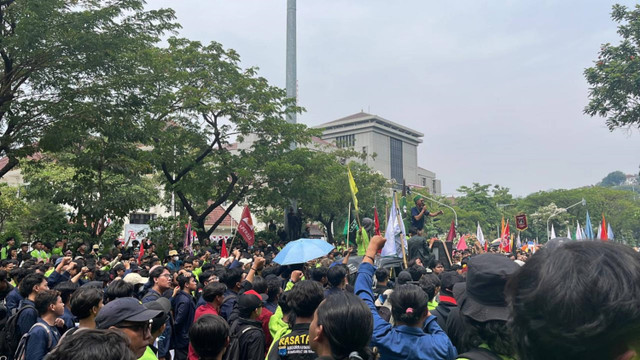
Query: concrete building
{"points": [[392, 149]]}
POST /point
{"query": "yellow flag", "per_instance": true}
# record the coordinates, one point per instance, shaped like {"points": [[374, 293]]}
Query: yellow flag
{"points": [[502, 229], [354, 189]]}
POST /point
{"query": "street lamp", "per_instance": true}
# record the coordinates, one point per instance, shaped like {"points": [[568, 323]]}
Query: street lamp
{"points": [[582, 202], [445, 205]]}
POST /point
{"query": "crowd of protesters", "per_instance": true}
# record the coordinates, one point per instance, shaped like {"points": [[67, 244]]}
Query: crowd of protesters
{"points": [[570, 300]]}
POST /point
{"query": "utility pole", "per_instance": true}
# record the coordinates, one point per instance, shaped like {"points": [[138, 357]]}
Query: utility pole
{"points": [[291, 84], [291, 56]]}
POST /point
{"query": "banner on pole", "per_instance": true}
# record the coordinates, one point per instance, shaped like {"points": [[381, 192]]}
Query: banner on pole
{"points": [[521, 222]]}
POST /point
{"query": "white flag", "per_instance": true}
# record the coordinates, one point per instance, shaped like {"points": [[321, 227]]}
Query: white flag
{"points": [[553, 232], [479, 235], [610, 232], [568, 232], [394, 233], [579, 235]]}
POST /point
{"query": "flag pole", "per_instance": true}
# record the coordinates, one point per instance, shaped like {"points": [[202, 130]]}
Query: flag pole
{"points": [[404, 254], [346, 238]]}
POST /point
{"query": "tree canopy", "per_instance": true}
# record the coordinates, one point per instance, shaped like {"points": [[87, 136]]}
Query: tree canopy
{"points": [[613, 80], [57, 56]]}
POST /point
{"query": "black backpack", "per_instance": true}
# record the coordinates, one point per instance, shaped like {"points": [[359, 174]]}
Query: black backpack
{"points": [[21, 351], [9, 335], [236, 332]]}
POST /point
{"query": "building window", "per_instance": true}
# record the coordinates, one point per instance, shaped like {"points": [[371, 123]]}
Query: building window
{"points": [[434, 186], [346, 141], [396, 159], [141, 218], [424, 182]]}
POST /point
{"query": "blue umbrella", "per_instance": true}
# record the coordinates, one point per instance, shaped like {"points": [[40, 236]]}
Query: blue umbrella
{"points": [[302, 250]]}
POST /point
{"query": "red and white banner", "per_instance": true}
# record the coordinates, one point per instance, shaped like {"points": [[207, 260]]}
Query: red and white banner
{"points": [[245, 228]]}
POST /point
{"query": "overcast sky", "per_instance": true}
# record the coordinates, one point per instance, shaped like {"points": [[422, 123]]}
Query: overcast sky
{"points": [[496, 86]]}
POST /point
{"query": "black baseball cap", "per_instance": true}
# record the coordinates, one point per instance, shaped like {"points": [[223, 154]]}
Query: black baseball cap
{"points": [[124, 309]]}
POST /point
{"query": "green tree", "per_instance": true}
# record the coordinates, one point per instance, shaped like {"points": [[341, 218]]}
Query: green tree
{"points": [[615, 178], [98, 180], [613, 80], [56, 55], [319, 182], [213, 126]]}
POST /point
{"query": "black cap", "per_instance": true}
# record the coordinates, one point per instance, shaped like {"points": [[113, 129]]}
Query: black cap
{"points": [[124, 309], [404, 277], [249, 301], [484, 297]]}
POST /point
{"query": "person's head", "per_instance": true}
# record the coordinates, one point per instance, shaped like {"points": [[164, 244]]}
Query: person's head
{"points": [[66, 288], [430, 284], [259, 284], [117, 244], [232, 278], [382, 275], [58, 243], [93, 344], [118, 289], [132, 318], [209, 336], [207, 276], [416, 272], [160, 278], [447, 280], [37, 245], [49, 302], [305, 297], [337, 276], [274, 289], [119, 270], [158, 323], [319, 274], [483, 306], [249, 305], [24, 247], [409, 305], [404, 277], [188, 265], [32, 284], [214, 291], [437, 267], [333, 327], [11, 241], [187, 282], [86, 302], [587, 303], [419, 200]]}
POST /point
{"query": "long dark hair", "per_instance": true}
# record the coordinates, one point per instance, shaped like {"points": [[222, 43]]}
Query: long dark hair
{"points": [[348, 324]]}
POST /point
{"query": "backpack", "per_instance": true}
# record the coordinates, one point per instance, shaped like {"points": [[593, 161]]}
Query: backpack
{"points": [[9, 336], [21, 351], [480, 354], [236, 332]]}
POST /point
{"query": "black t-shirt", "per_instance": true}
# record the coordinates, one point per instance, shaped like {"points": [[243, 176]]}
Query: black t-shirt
{"points": [[294, 345]]}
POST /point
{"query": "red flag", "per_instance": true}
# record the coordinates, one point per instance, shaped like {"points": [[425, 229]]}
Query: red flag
{"points": [[506, 239], [245, 227], [376, 222], [462, 244], [604, 236], [223, 252], [187, 237], [452, 232], [141, 252]]}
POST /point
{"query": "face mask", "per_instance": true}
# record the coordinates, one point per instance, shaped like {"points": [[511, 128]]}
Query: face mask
{"points": [[175, 258]]}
